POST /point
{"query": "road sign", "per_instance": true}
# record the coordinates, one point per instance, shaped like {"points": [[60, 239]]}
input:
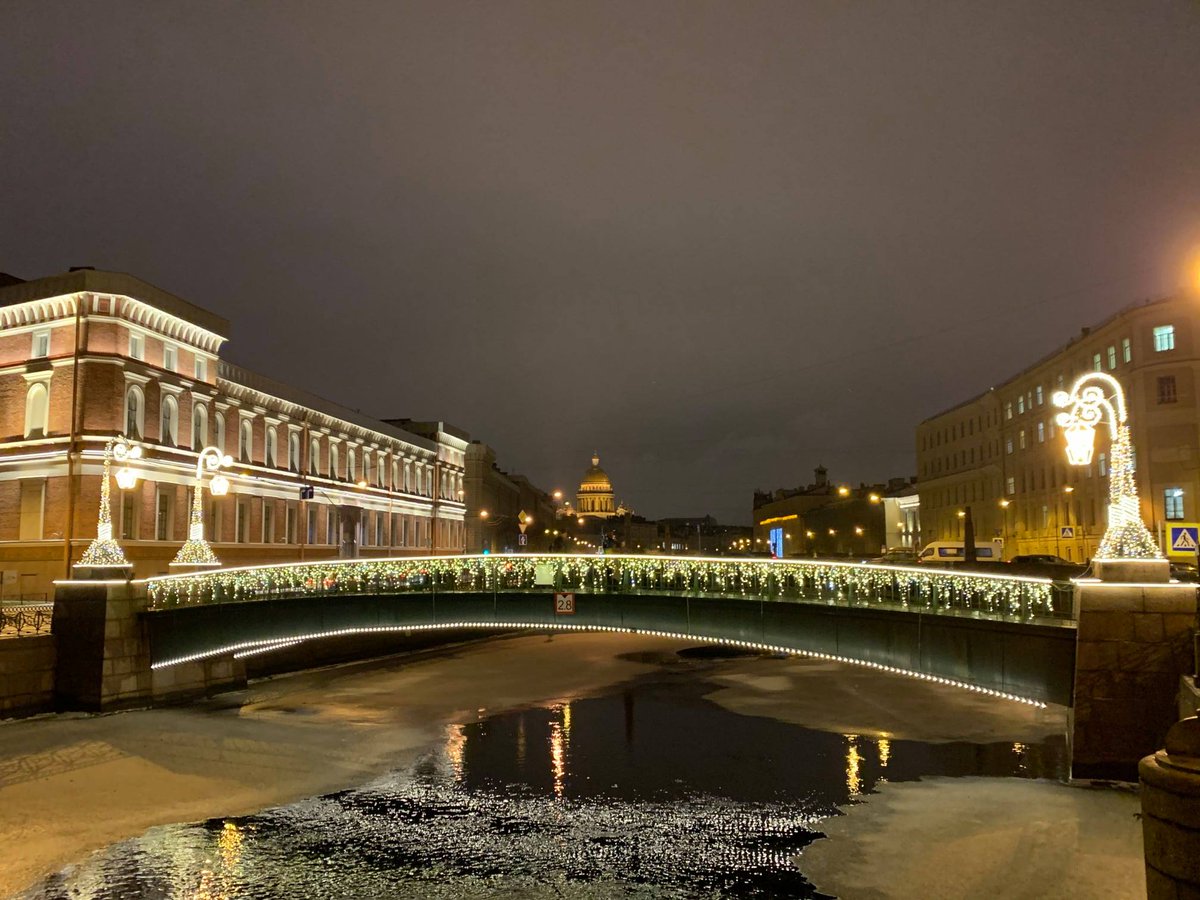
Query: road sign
{"points": [[522, 539], [1067, 531], [306, 492], [1183, 540], [564, 604]]}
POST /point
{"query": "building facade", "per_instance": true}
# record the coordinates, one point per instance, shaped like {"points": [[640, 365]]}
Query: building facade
{"points": [[496, 501], [1002, 454], [88, 355]]}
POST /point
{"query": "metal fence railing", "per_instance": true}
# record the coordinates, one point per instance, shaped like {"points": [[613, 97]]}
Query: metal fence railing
{"points": [[19, 619], [919, 589]]}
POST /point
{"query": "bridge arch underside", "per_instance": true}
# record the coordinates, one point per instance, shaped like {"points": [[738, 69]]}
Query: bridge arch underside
{"points": [[1027, 661]]}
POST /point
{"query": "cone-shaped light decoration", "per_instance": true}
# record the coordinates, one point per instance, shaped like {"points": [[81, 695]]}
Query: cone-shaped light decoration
{"points": [[1097, 399]]}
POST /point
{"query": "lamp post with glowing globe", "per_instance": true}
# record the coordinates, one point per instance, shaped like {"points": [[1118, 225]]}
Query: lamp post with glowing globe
{"points": [[196, 550], [104, 552]]}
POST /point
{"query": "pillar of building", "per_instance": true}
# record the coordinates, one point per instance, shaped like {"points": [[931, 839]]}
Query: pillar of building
{"points": [[1170, 794], [1134, 641], [103, 649]]}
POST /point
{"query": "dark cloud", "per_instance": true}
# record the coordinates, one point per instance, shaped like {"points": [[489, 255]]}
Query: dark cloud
{"points": [[719, 243]]}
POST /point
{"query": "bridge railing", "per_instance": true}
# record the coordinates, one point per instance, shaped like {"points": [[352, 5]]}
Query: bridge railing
{"points": [[919, 589]]}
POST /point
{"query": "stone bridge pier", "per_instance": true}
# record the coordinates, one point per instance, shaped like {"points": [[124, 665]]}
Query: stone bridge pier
{"points": [[103, 650]]}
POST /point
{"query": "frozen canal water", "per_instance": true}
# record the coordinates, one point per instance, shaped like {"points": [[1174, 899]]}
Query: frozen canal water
{"points": [[644, 790]]}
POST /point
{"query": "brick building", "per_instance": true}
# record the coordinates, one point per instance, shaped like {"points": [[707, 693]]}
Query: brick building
{"points": [[88, 355]]}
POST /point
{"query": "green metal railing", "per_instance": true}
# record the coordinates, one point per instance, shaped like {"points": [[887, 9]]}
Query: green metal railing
{"points": [[919, 589]]}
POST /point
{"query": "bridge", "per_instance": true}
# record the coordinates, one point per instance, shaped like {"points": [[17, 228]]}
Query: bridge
{"points": [[1007, 636]]}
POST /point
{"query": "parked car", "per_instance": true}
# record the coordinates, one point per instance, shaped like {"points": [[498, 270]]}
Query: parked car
{"points": [[895, 558], [1185, 572], [1048, 559], [1045, 565]]}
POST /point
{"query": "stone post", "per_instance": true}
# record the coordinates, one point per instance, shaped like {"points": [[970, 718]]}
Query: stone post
{"points": [[1134, 641], [1170, 793]]}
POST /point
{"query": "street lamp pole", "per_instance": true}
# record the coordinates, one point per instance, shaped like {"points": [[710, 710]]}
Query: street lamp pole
{"points": [[196, 550]]}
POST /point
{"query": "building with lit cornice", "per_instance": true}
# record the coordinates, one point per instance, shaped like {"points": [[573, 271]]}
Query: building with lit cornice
{"points": [[1002, 454], [88, 355]]}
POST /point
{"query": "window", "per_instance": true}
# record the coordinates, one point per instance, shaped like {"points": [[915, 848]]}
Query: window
{"points": [[334, 459], [242, 511], [331, 527], [37, 410], [350, 467], [367, 466], [1126, 350], [268, 522], [294, 452], [312, 525], [1045, 517], [245, 441], [379, 529], [169, 357], [1103, 461], [33, 508], [137, 346], [1037, 393], [199, 426], [1173, 503], [41, 345], [128, 517], [314, 457], [271, 439], [201, 368], [1112, 358], [134, 411], [163, 508], [289, 533], [1021, 437], [1008, 447], [1059, 380], [1096, 366], [169, 422], [1166, 389], [1008, 410], [219, 431], [1041, 432], [1020, 405], [1164, 338], [1010, 485]]}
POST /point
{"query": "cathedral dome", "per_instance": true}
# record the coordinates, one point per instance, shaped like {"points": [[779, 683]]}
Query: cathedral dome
{"points": [[595, 478], [596, 492]]}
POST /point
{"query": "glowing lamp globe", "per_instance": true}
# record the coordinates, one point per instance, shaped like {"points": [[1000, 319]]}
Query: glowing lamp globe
{"points": [[1081, 441], [126, 478], [219, 486]]}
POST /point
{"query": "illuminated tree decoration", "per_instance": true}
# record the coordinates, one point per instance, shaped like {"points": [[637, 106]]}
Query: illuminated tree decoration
{"points": [[1095, 399], [104, 552], [196, 550]]}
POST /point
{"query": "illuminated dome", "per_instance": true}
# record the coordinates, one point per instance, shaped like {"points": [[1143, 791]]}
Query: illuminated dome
{"points": [[596, 492]]}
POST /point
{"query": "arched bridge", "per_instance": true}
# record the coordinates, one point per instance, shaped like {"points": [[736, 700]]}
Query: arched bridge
{"points": [[1005, 635]]}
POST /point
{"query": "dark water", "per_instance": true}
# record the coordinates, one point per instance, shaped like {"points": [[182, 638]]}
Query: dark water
{"points": [[650, 791]]}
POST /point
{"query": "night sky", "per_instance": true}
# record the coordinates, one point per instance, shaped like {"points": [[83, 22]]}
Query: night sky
{"points": [[718, 243]]}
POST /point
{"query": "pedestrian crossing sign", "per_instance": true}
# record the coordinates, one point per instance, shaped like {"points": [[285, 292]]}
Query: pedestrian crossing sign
{"points": [[1183, 540]]}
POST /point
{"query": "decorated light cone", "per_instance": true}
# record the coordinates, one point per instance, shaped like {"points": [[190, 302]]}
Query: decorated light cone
{"points": [[104, 552]]}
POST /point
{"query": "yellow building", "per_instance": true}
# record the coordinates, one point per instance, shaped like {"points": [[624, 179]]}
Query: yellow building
{"points": [[595, 496], [1002, 454]]}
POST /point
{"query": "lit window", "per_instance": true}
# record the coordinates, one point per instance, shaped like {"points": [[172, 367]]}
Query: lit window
{"points": [[1126, 350], [1112, 358], [199, 427], [1010, 485], [1103, 462], [169, 421], [1038, 394], [1020, 405], [137, 346], [1164, 338], [1008, 410], [314, 457], [169, 357], [1008, 446], [41, 345], [1096, 366], [1173, 503], [1021, 437], [246, 441], [1041, 432], [134, 409], [1166, 389], [201, 365]]}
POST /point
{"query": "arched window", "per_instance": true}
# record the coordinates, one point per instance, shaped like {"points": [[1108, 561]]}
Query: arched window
{"points": [[169, 421], [37, 410], [333, 461], [395, 474], [314, 457], [420, 479], [246, 441], [294, 452], [381, 472], [351, 472], [199, 426], [271, 439], [367, 466], [219, 432], [135, 411]]}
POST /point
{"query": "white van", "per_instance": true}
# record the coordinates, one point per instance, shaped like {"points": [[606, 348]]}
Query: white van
{"points": [[952, 551]]}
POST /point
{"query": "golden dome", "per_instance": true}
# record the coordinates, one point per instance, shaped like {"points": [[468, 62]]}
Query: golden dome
{"points": [[595, 478]]}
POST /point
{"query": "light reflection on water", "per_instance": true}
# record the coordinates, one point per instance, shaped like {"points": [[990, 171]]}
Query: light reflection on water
{"points": [[648, 792]]}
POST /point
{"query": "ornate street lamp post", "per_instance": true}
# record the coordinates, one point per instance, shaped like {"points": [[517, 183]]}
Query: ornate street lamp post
{"points": [[104, 552], [196, 550], [1095, 399]]}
